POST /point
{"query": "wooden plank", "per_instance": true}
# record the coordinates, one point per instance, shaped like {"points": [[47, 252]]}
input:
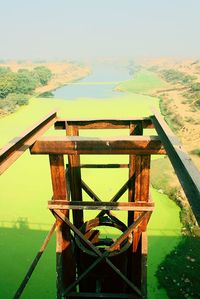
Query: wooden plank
{"points": [[64, 255], [17, 146], [89, 145], [88, 205], [188, 174], [75, 177], [135, 129], [142, 180], [103, 123], [142, 172], [58, 177]]}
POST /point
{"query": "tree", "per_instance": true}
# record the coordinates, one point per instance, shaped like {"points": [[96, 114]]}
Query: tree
{"points": [[43, 74]]}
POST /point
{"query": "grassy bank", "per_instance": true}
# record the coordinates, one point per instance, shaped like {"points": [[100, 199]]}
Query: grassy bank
{"points": [[143, 82]]}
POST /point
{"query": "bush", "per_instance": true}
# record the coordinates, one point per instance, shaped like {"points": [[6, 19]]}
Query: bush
{"points": [[179, 272]]}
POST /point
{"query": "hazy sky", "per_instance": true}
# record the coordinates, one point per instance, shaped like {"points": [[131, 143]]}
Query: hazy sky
{"points": [[76, 29]]}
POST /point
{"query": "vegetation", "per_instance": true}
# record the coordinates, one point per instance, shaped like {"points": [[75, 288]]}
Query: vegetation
{"points": [[176, 77], [168, 184], [196, 152], [193, 96], [179, 272], [143, 82], [16, 87], [175, 121]]}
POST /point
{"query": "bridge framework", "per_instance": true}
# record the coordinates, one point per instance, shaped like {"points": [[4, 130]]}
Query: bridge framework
{"points": [[118, 269]]}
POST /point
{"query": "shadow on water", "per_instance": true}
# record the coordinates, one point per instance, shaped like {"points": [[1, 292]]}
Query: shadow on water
{"points": [[19, 245]]}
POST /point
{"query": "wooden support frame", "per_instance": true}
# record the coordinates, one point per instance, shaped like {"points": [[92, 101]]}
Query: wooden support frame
{"points": [[104, 255], [139, 148]]}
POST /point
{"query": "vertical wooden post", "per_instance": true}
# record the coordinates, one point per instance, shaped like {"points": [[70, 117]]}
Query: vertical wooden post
{"points": [[135, 129], [65, 264], [142, 171], [75, 177], [139, 167]]}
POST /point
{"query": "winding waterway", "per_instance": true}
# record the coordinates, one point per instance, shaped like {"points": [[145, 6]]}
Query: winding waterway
{"points": [[99, 84]]}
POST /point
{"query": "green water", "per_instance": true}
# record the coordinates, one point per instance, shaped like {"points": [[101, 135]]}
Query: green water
{"points": [[26, 188]]}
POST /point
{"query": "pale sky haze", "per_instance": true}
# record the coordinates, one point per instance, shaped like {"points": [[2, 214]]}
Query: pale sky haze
{"points": [[84, 29]]}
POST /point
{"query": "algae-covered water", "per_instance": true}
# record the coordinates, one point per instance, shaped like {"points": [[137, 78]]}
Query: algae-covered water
{"points": [[26, 188]]}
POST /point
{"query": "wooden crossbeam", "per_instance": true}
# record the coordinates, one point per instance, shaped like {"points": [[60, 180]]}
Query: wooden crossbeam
{"points": [[141, 145], [88, 205], [103, 123], [104, 166]]}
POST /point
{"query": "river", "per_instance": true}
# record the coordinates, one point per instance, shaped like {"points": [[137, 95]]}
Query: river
{"points": [[99, 84]]}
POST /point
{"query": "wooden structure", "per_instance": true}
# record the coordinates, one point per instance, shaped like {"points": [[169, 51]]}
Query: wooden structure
{"points": [[87, 265]]}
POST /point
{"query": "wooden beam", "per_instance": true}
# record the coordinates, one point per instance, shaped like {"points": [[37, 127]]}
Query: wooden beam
{"points": [[17, 146], [104, 165], [75, 177], [88, 205], [58, 177], [64, 255], [135, 129], [142, 145], [187, 172], [103, 123]]}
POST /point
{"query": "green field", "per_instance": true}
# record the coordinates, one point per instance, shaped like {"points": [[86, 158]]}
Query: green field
{"points": [[143, 82], [26, 188]]}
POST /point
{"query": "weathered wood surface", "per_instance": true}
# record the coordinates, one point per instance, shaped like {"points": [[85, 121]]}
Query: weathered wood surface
{"points": [[187, 172], [103, 123], [58, 177], [75, 176], [17, 146], [100, 255], [89, 145], [64, 254], [88, 205]]}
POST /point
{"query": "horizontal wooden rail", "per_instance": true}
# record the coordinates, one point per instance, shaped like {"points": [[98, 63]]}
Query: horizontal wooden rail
{"points": [[139, 206], [141, 145], [124, 123], [104, 165], [17, 146], [188, 174]]}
